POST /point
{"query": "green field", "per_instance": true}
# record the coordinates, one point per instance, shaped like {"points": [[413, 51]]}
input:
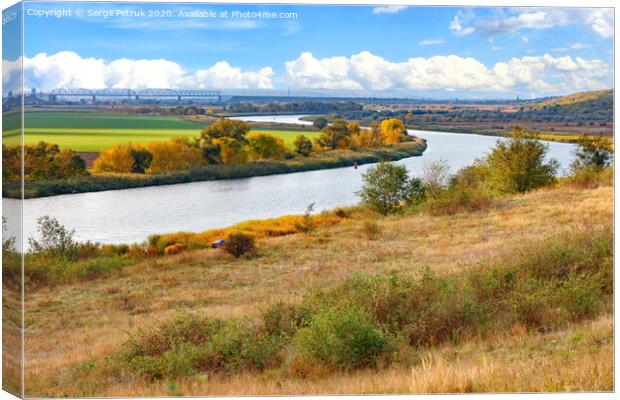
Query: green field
{"points": [[94, 132]]}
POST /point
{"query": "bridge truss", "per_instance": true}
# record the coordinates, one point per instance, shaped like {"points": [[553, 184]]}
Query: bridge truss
{"points": [[136, 94]]}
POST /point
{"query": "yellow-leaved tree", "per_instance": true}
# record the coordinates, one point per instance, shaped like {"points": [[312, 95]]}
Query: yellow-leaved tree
{"points": [[392, 131], [118, 159], [172, 155]]}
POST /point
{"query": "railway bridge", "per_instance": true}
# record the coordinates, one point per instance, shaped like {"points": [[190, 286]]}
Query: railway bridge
{"points": [[132, 94]]}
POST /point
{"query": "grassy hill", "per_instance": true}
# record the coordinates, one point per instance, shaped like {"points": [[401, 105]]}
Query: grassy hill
{"points": [[499, 309], [593, 102]]}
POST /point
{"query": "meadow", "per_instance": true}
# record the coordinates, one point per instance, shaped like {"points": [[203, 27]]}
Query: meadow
{"points": [[523, 257], [95, 132]]}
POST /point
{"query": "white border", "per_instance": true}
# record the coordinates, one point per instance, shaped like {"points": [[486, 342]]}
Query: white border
{"points": [[476, 3]]}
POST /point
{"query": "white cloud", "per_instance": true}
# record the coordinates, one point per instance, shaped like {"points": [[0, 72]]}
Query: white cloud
{"points": [[69, 70], [579, 45], [513, 20], [456, 26], [388, 9], [11, 75], [363, 71], [223, 75], [430, 42], [602, 22], [366, 71]]}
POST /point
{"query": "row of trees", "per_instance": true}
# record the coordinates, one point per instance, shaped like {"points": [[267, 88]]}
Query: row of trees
{"points": [[515, 165], [350, 135], [42, 161], [224, 142], [229, 141]]}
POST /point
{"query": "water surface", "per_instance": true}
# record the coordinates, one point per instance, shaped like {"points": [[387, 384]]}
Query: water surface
{"points": [[130, 215]]}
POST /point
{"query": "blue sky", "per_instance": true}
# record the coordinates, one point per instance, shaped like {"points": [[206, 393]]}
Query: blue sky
{"points": [[443, 51]]}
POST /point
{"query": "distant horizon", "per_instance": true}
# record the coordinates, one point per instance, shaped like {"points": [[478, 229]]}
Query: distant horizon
{"points": [[275, 93]]}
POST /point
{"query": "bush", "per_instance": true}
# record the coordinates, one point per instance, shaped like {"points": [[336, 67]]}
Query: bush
{"points": [[307, 224], [189, 344], [371, 230], [591, 178], [239, 244], [341, 340], [387, 187], [593, 153], [435, 177], [173, 249], [459, 198], [303, 145], [518, 165], [56, 240]]}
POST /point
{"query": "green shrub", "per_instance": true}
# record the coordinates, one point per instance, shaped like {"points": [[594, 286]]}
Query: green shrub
{"points": [[55, 241], [341, 340], [459, 198], [189, 344], [518, 165], [284, 320], [238, 244], [387, 188]]}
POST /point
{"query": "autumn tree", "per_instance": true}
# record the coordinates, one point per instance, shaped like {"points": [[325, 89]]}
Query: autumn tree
{"points": [[175, 154], [334, 136], [392, 131], [266, 147], [118, 159], [232, 151]]}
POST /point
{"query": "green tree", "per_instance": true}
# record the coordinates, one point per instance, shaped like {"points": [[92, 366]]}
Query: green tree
{"points": [[226, 128], [142, 159], [592, 152], [303, 145], [518, 164], [387, 187], [320, 122]]}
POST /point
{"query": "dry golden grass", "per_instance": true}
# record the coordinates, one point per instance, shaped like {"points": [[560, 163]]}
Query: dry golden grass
{"points": [[74, 323]]}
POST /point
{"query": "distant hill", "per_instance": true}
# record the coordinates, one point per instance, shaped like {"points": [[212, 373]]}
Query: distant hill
{"points": [[595, 98], [583, 106]]}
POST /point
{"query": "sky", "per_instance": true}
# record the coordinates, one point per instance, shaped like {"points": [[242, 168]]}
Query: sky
{"points": [[344, 50]]}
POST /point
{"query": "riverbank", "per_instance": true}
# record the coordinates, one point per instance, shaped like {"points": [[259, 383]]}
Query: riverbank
{"points": [[532, 340], [548, 137], [328, 160], [494, 131]]}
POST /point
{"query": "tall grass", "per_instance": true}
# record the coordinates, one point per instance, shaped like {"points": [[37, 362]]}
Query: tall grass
{"points": [[375, 320]]}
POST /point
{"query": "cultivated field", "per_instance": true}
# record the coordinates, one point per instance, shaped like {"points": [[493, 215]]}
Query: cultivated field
{"points": [[95, 132]]}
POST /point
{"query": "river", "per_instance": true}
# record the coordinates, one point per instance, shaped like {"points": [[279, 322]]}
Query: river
{"points": [[130, 215]]}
